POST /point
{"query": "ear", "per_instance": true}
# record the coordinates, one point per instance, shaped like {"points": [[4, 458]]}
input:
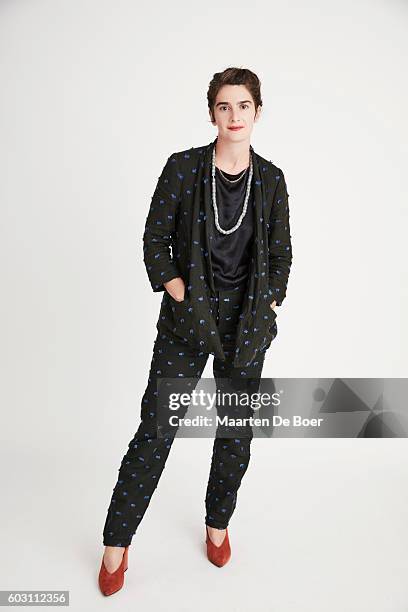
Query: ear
{"points": [[258, 113], [211, 117]]}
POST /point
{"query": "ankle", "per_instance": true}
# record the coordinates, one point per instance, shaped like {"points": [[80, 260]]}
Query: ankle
{"points": [[216, 535], [113, 557], [113, 552]]}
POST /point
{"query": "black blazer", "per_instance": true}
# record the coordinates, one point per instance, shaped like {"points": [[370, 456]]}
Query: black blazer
{"points": [[176, 242]]}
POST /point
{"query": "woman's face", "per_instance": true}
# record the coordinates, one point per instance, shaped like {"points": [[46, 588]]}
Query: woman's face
{"points": [[234, 106]]}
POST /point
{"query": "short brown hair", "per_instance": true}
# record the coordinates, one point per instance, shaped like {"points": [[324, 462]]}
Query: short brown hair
{"points": [[234, 76]]}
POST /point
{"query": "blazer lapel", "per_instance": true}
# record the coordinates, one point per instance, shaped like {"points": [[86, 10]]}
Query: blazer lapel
{"points": [[257, 278], [200, 273], [208, 208]]}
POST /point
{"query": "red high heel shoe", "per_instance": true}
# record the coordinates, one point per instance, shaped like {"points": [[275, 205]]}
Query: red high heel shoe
{"points": [[219, 555], [110, 583]]}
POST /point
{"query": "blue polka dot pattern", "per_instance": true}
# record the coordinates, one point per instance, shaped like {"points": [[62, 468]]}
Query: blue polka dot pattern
{"points": [[145, 459], [177, 242]]}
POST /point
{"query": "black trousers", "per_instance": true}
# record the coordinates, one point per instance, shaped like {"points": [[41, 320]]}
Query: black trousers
{"points": [[144, 461]]}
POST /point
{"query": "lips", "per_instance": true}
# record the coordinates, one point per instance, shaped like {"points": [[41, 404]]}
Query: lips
{"points": [[235, 128]]}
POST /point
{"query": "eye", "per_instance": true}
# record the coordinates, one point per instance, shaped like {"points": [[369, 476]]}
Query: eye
{"points": [[246, 105]]}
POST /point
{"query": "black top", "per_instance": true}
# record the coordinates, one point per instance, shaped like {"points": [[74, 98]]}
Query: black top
{"points": [[231, 253]]}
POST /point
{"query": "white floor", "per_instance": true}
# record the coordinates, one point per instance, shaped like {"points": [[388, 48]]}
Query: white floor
{"points": [[320, 525]]}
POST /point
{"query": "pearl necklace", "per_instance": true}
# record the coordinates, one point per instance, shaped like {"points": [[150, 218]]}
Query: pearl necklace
{"points": [[214, 197]]}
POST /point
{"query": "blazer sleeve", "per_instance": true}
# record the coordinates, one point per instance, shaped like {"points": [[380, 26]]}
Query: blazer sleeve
{"points": [[160, 226], [280, 246]]}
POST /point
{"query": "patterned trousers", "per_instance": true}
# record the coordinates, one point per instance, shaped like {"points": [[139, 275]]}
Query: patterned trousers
{"points": [[144, 461]]}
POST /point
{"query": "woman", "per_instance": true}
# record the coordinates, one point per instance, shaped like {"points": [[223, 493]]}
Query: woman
{"points": [[223, 210]]}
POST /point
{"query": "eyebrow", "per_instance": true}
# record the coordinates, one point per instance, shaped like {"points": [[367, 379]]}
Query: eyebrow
{"points": [[240, 102]]}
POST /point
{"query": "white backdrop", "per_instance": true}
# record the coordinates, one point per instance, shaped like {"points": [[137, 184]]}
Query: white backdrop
{"points": [[95, 95]]}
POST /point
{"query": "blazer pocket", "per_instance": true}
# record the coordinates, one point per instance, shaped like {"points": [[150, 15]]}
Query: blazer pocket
{"points": [[269, 325], [176, 301], [273, 315], [271, 321], [183, 319]]}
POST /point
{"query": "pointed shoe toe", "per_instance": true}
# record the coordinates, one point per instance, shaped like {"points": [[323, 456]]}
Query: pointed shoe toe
{"points": [[218, 555], [110, 583]]}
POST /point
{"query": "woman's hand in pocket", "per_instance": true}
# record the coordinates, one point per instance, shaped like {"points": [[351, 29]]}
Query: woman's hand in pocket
{"points": [[176, 288]]}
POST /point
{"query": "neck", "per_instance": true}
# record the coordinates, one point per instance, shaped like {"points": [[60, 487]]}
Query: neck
{"points": [[231, 155]]}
